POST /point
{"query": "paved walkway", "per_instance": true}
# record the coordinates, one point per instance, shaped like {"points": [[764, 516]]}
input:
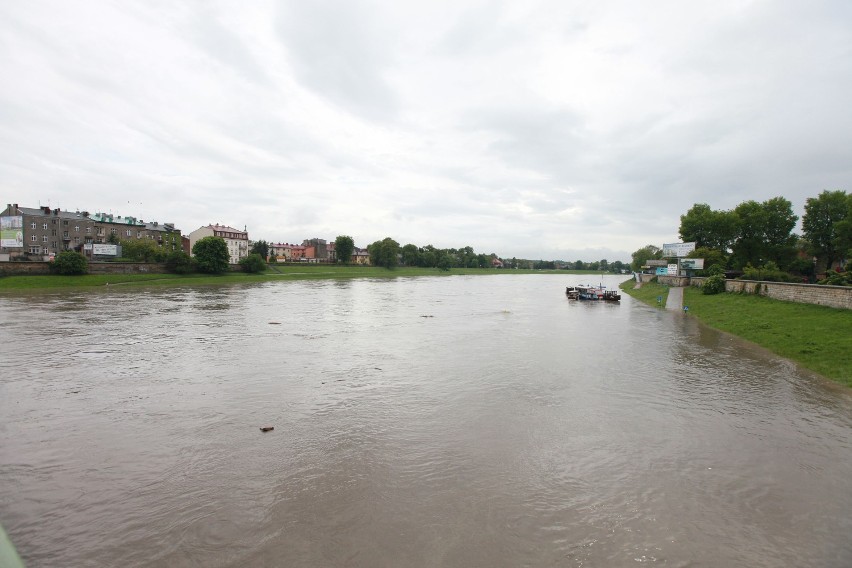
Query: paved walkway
{"points": [[675, 299]]}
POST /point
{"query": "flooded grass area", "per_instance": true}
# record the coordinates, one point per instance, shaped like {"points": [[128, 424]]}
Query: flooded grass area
{"points": [[816, 337]]}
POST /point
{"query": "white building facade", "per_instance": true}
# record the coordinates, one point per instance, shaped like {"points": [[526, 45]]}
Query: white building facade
{"points": [[235, 239]]}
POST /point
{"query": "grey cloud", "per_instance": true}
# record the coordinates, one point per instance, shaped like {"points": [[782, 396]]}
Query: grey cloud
{"points": [[340, 52]]}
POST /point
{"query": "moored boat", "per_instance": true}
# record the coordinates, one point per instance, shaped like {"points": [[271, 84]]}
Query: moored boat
{"points": [[594, 293]]}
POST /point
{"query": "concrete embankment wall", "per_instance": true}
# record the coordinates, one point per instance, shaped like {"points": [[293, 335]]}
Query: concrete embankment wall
{"points": [[831, 296], [39, 268]]}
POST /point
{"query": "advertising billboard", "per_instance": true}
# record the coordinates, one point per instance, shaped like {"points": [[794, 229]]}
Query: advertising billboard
{"points": [[692, 264], [677, 249], [105, 250], [12, 231], [672, 270]]}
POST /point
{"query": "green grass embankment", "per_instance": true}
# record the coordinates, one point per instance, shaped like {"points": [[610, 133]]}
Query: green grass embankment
{"points": [[816, 337], [278, 272]]}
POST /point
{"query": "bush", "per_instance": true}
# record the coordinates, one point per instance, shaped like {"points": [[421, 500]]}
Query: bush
{"points": [[838, 279], [714, 285], [69, 262], [253, 263], [769, 272], [178, 262], [716, 269]]}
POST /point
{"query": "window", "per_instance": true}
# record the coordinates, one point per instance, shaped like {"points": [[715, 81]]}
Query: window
{"points": [[33, 225], [77, 239], [44, 250], [44, 226], [138, 234], [77, 228], [34, 250], [129, 232], [113, 232], [44, 239], [65, 234], [88, 230], [33, 238], [64, 222]]}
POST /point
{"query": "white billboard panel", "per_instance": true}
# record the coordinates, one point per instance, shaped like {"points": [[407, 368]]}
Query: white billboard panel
{"points": [[692, 264], [105, 250], [12, 231], [678, 249]]}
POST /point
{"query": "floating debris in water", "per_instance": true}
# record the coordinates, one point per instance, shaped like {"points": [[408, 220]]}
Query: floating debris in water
{"points": [[267, 428], [275, 323]]}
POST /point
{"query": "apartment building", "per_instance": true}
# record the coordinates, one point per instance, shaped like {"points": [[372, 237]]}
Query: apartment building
{"points": [[38, 233], [236, 240]]}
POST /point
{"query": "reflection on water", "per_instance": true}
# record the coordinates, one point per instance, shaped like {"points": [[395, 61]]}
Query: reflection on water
{"points": [[457, 421]]}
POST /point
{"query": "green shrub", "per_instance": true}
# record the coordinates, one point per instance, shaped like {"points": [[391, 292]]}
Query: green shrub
{"points": [[253, 263], [716, 269], [178, 262], [769, 272], [838, 279], [714, 284], [69, 262]]}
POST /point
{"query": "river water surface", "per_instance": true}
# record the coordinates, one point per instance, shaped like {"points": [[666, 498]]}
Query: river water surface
{"points": [[453, 421]]}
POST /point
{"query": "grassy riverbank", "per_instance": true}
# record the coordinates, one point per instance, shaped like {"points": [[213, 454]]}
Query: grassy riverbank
{"points": [[275, 273], [816, 337]]}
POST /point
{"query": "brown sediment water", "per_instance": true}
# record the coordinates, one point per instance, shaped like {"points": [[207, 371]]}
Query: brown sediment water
{"points": [[511, 427]]}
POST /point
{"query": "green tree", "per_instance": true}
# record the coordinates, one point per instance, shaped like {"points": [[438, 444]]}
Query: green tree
{"points": [[261, 248], [643, 255], [69, 262], [708, 228], [253, 263], [178, 262], [344, 247], [384, 253], [712, 257], [445, 262], [843, 230], [820, 225], [765, 233], [410, 255], [142, 250], [211, 255]]}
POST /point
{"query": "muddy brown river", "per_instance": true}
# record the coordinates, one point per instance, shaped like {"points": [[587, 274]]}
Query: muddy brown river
{"points": [[455, 421]]}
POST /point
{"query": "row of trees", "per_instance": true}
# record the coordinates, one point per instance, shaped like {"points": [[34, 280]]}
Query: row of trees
{"points": [[757, 235]]}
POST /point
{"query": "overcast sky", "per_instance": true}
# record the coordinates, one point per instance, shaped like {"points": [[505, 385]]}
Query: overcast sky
{"points": [[558, 130]]}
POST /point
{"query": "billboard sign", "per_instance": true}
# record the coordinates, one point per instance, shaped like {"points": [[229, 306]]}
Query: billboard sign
{"points": [[677, 249], [105, 250], [672, 270], [12, 231], [662, 271], [692, 264]]}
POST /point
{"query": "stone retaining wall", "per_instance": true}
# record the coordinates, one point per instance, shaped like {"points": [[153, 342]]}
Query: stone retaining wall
{"points": [[674, 281], [40, 268], [831, 296]]}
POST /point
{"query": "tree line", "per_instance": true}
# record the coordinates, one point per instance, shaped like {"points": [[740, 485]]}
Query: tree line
{"points": [[758, 236]]}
